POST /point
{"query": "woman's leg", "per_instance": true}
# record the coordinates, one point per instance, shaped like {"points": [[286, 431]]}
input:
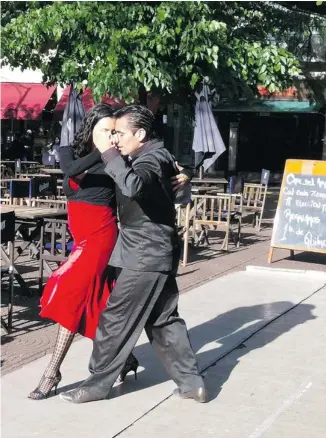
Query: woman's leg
{"points": [[52, 376]]}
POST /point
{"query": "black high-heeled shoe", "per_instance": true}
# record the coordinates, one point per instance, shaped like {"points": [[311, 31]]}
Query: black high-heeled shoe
{"points": [[130, 365], [37, 394]]}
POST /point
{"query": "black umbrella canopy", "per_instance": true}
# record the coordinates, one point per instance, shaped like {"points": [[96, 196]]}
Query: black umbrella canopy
{"points": [[73, 115]]}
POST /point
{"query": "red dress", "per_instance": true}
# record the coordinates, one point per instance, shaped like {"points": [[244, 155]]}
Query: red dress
{"points": [[78, 290]]}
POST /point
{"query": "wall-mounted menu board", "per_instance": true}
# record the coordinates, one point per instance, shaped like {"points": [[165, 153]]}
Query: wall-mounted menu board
{"points": [[300, 221]]}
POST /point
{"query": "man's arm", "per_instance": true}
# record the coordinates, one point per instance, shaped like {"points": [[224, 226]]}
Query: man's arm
{"points": [[131, 179], [72, 167]]}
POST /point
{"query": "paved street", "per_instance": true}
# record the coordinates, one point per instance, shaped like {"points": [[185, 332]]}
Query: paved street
{"points": [[232, 93], [259, 336]]}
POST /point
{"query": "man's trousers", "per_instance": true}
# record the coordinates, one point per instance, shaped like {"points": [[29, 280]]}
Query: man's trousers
{"points": [[142, 300]]}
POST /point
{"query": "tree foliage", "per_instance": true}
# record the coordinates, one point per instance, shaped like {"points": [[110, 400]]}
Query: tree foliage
{"points": [[169, 48]]}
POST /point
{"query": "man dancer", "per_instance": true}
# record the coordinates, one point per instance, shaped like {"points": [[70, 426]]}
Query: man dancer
{"points": [[146, 257]]}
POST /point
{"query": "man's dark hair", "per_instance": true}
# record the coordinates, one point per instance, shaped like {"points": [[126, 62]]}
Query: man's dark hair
{"points": [[139, 117]]}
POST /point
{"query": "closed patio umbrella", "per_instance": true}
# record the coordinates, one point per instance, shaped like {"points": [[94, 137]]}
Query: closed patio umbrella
{"points": [[72, 117], [207, 143]]}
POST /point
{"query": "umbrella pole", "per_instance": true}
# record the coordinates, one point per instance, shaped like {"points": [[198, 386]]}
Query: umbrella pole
{"points": [[201, 172]]}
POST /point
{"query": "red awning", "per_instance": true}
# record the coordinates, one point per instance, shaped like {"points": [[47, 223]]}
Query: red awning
{"points": [[288, 93], [87, 99], [24, 101]]}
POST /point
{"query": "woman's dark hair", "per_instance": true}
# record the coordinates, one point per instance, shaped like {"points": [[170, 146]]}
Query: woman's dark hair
{"points": [[139, 117], [83, 138]]}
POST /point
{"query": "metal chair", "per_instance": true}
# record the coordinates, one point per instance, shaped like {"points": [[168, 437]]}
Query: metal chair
{"points": [[8, 237]]}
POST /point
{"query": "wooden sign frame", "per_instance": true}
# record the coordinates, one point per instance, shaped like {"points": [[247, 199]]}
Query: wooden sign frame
{"points": [[299, 167]]}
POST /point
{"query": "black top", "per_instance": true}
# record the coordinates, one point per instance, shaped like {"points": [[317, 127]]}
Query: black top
{"points": [[147, 240], [96, 187]]}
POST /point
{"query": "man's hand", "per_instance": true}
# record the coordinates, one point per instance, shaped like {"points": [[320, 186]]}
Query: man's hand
{"points": [[179, 180], [104, 140]]}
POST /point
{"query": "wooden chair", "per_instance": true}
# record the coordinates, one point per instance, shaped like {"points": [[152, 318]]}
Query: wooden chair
{"points": [[183, 223], [49, 203], [60, 187], [55, 244], [236, 185], [8, 238], [43, 187], [221, 210], [23, 190], [254, 198], [19, 191], [18, 167]]}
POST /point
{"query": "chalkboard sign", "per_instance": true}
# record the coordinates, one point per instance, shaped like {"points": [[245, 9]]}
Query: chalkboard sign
{"points": [[300, 221]]}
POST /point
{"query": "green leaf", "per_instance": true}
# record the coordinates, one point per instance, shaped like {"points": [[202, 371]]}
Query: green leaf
{"points": [[161, 14], [194, 80], [271, 88]]}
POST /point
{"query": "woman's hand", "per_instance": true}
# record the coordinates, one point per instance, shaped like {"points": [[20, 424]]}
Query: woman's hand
{"points": [[104, 140], [179, 180], [80, 177]]}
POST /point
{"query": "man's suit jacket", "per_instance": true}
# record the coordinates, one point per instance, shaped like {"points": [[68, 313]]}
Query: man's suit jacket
{"points": [[147, 240]]}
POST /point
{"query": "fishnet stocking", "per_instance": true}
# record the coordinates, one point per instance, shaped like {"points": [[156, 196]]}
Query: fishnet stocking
{"points": [[62, 345], [51, 374]]}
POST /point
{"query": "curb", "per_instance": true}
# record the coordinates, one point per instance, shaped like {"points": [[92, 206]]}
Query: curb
{"points": [[314, 274]]}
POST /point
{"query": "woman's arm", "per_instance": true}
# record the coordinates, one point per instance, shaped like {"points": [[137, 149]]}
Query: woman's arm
{"points": [[72, 167]]}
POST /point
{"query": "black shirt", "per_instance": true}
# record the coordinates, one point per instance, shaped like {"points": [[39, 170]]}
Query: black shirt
{"points": [[96, 187]]}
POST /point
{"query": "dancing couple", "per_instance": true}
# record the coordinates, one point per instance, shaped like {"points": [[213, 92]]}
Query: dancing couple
{"points": [[133, 169]]}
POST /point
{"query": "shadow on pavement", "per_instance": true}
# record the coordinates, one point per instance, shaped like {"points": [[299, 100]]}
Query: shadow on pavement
{"points": [[229, 331]]}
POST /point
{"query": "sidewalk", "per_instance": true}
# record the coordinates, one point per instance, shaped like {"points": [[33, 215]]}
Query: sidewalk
{"points": [[33, 337], [270, 328]]}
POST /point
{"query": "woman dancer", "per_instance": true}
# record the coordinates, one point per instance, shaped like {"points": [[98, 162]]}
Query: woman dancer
{"points": [[78, 290]]}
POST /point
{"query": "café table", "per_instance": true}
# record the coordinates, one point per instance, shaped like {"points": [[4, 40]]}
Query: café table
{"points": [[22, 162], [51, 171], [214, 181], [28, 223], [206, 182]]}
